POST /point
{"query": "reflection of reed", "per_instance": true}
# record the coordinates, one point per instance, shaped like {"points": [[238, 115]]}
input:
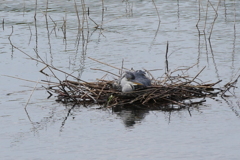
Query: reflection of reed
{"points": [[216, 15], [54, 27], [199, 34], [3, 24], [35, 24], [225, 10], [48, 33], [159, 22], [129, 8], [24, 7], [102, 12], [66, 117], [79, 21], [214, 62], [199, 14], [30, 38], [207, 34], [83, 29], [210, 34], [178, 12], [64, 30], [9, 38], [234, 108], [234, 36]]}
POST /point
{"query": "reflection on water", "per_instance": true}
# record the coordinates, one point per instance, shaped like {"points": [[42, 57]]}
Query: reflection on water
{"points": [[131, 117], [64, 34]]}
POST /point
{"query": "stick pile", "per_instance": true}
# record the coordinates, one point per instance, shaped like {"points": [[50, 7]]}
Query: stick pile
{"points": [[166, 92]]}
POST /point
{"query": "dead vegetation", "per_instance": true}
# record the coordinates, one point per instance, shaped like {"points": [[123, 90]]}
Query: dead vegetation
{"points": [[170, 91]]}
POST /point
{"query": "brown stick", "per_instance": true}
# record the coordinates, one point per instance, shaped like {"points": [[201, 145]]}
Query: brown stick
{"points": [[104, 71], [106, 64]]}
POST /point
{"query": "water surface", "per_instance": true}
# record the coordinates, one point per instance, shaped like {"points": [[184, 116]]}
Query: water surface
{"points": [[131, 31]]}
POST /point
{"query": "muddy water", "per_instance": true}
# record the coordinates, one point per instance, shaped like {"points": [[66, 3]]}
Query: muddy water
{"points": [[131, 31]]}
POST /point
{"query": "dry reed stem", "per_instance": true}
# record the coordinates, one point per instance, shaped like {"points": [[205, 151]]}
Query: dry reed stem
{"points": [[106, 64], [30, 80], [31, 95]]}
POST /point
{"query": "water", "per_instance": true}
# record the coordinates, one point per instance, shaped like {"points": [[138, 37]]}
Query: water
{"points": [[49, 130]]}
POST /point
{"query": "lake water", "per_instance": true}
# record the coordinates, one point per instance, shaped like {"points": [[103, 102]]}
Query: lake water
{"points": [[130, 31]]}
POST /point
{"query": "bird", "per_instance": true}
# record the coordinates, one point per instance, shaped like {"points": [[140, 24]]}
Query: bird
{"points": [[133, 80]]}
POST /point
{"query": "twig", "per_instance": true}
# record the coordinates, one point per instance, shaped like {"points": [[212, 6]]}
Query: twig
{"points": [[106, 64], [27, 80], [31, 95], [197, 75], [104, 71]]}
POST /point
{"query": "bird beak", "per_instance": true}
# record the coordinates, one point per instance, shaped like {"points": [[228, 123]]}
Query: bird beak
{"points": [[136, 83]]}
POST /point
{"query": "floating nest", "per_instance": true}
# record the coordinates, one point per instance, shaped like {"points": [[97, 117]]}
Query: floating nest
{"points": [[168, 92]]}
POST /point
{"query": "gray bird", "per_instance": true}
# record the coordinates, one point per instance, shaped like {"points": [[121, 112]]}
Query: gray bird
{"points": [[131, 81]]}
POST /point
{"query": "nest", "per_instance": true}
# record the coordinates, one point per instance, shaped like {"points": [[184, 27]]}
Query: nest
{"points": [[170, 91]]}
